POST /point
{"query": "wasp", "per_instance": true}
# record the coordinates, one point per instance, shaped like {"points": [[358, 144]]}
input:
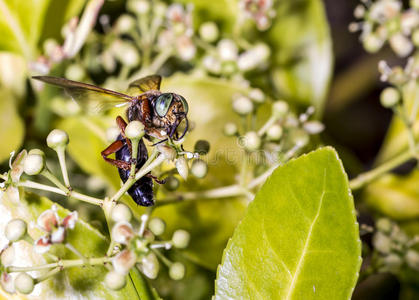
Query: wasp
{"points": [[161, 114]]}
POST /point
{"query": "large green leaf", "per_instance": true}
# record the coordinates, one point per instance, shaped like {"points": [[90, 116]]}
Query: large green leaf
{"points": [[11, 125], [299, 238], [302, 52], [87, 282], [22, 23], [395, 196]]}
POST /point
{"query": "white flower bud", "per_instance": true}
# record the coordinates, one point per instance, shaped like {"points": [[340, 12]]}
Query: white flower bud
{"points": [[274, 133], [257, 95], [313, 127], [157, 226], [150, 266], [134, 130], [172, 183], [227, 50], [15, 230], [382, 242], [177, 271], [139, 6], [384, 225], [372, 42], [24, 283], [279, 109], [209, 32], [125, 23], [181, 238], [252, 141], [75, 72], [57, 138], [182, 167], [124, 261], [6, 282], [160, 9], [112, 133], [199, 168], [359, 11], [242, 105], [121, 213], [392, 262], [8, 256], [412, 259], [212, 64], [115, 281], [186, 49], [168, 152], [34, 164], [389, 97], [230, 129], [122, 232], [401, 45]]}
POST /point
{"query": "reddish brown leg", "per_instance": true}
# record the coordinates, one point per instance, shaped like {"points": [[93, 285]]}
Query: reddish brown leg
{"points": [[159, 181], [112, 148], [122, 125], [146, 110]]}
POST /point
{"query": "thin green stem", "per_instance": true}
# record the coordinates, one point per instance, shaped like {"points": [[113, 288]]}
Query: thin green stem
{"points": [[267, 125], [61, 158], [369, 176], [47, 275], [164, 259], [51, 177]]}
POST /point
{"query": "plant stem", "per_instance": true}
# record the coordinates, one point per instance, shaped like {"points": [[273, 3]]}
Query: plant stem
{"points": [[67, 263], [364, 178], [47, 275], [51, 177], [61, 158]]}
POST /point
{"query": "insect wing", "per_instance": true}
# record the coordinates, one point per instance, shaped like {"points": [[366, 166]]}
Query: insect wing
{"points": [[92, 98], [145, 84]]}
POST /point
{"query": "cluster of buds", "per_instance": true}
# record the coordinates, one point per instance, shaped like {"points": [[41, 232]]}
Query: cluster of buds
{"points": [[261, 11], [141, 248], [394, 248], [227, 59], [284, 132], [385, 20]]}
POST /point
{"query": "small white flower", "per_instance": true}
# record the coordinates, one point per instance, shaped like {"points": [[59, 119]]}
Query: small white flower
{"points": [[115, 281], [122, 232], [24, 283], [177, 271], [181, 238], [227, 50], [149, 265], [124, 261]]}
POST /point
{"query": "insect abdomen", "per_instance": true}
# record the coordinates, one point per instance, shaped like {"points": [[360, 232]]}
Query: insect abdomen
{"points": [[142, 191]]}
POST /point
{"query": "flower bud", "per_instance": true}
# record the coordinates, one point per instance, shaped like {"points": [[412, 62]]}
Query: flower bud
{"points": [[34, 163], [202, 147], [172, 183], [384, 225], [414, 4], [6, 282], [274, 133], [122, 232], [389, 97], [199, 168], [252, 141], [412, 259], [372, 42], [75, 72], [242, 105], [124, 261], [112, 133], [313, 127], [157, 226], [168, 152], [24, 283], [279, 109], [181, 238], [149, 265], [401, 45], [212, 64], [115, 281], [134, 130], [182, 167], [177, 271], [139, 6], [392, 262], [125, 24], [121, 213], [227, 50], [230, 129], [209, 32], [57, 138], [257, 95], [7, 256], [15, 230], [382, 243]]}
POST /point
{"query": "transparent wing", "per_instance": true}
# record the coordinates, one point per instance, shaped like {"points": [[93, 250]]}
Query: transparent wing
{"points": [[92, 98], [145, 84]]}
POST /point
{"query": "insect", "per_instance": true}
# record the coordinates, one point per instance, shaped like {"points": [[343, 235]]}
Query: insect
{"points": [[161, 114]]}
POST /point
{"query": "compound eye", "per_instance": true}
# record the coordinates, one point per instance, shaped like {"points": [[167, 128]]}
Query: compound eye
{"points": [[163, 103], [184, 103]]}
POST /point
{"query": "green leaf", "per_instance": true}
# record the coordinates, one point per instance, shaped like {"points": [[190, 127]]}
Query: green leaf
{"points": [[395, 196], [302, 52], [299, 238], [87, 282], [11, 125]]}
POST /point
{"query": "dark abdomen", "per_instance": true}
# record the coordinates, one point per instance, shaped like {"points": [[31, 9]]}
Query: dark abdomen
{"points": [[142, 191]]}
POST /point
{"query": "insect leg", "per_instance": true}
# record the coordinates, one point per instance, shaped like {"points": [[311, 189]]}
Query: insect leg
{"points": [[159, 181], [112, 148]]}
